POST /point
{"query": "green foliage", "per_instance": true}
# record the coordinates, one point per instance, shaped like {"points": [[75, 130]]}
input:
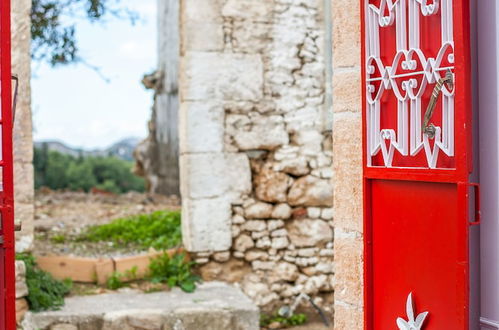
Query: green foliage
{"points": [[54, 37], [285, 322], [159, 230], [131, 274], [59, 171], [45, 292], [115, 281], [174, 271], [58, 239]]}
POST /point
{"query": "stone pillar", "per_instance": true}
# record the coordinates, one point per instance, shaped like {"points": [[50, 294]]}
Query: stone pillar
{"points": [[256, 156], [158, 156], [347, 166], [23, 138]]}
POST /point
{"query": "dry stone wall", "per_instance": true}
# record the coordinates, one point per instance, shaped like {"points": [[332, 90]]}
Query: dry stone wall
{"points": [[255, 163]]}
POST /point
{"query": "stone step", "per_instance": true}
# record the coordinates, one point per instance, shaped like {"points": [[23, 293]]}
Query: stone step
{"points": [[213, 306]]}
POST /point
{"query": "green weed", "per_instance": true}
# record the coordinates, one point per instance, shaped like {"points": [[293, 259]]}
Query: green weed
{"points": [[45, 292], [160, 230], [285, 322], [173, 271], [58, 239], [115, 281], [131, 274]]}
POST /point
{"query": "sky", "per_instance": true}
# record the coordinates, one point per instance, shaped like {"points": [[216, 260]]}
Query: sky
{"points": [[75, 105]]}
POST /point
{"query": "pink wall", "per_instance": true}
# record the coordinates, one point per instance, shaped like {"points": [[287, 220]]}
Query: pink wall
{"points": [[488, 98]]}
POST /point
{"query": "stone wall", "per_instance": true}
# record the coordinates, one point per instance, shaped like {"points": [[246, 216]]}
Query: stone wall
{"points": [[23, 139], [255, 161], [347, 166]]}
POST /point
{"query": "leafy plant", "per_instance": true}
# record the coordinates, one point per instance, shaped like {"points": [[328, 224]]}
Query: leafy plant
{"points": [[45, 292], [160, 230], [115, 281], [174, 271], [295, 319]]}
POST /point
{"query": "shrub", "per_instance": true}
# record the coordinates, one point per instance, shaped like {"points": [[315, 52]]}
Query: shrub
{"points": [[173, 271], [45, 292], [159, 230], [59, 171]]}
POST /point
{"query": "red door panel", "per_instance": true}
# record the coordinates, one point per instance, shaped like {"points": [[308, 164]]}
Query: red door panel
{"points": [[417, 161], [421, 251]]}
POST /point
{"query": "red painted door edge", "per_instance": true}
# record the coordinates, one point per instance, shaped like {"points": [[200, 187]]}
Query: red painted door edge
{"points": [[7, 200]]}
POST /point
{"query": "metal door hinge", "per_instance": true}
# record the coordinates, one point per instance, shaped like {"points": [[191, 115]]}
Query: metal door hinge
{"points": [[15, 78]]}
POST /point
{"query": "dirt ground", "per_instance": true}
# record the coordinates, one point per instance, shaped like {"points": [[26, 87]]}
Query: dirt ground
{"points": [[60, 217]]}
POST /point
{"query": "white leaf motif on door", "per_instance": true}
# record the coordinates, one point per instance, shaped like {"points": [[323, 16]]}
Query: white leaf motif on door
{"points": [[411, 323]]}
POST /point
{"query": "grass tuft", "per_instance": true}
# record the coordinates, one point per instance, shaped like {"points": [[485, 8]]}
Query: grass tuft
{"points": [[284, 322]]}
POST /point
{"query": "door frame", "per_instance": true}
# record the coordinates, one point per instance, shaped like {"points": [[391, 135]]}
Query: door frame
{"points": [[488, 104], [7, 242]]}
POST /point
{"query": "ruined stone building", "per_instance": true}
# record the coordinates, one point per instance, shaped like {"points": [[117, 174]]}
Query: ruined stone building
{"points": [[269, 177]]}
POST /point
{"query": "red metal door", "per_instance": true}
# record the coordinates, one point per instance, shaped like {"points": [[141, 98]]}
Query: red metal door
{"points": [[7, 252], [417, 161]]}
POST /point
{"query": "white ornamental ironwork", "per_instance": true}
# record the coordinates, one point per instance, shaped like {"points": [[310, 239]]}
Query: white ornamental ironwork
{"points": [[408, 139], [412, 323]]}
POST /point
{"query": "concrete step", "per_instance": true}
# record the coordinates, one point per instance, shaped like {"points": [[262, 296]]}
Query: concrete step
{"points": [[214, 306]]}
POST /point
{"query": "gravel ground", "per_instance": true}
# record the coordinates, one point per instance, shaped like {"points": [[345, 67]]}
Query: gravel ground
{"points": [[60, 217]]}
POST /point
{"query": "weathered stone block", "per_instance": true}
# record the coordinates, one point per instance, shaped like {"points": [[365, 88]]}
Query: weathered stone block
{"points": [[349, 267], [202, 175], [214, 174], [346, 33], [21, 287], [202, 36], [271, 186], [346, 91], [258, 210], [22, 308], [201, 127], [243, 243], [221, 76], [347, 137], [250, 37], [258, 132], [206, 224], [202, 10], [281, 211], [348, 317], [297, 166], [254, 225], [285, 271], [306, 232], [24, 213], [255, 10], [311, 191]]}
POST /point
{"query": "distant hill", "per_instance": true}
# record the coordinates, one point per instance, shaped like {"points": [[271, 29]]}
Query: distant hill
{"points": [[122, 149]]}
